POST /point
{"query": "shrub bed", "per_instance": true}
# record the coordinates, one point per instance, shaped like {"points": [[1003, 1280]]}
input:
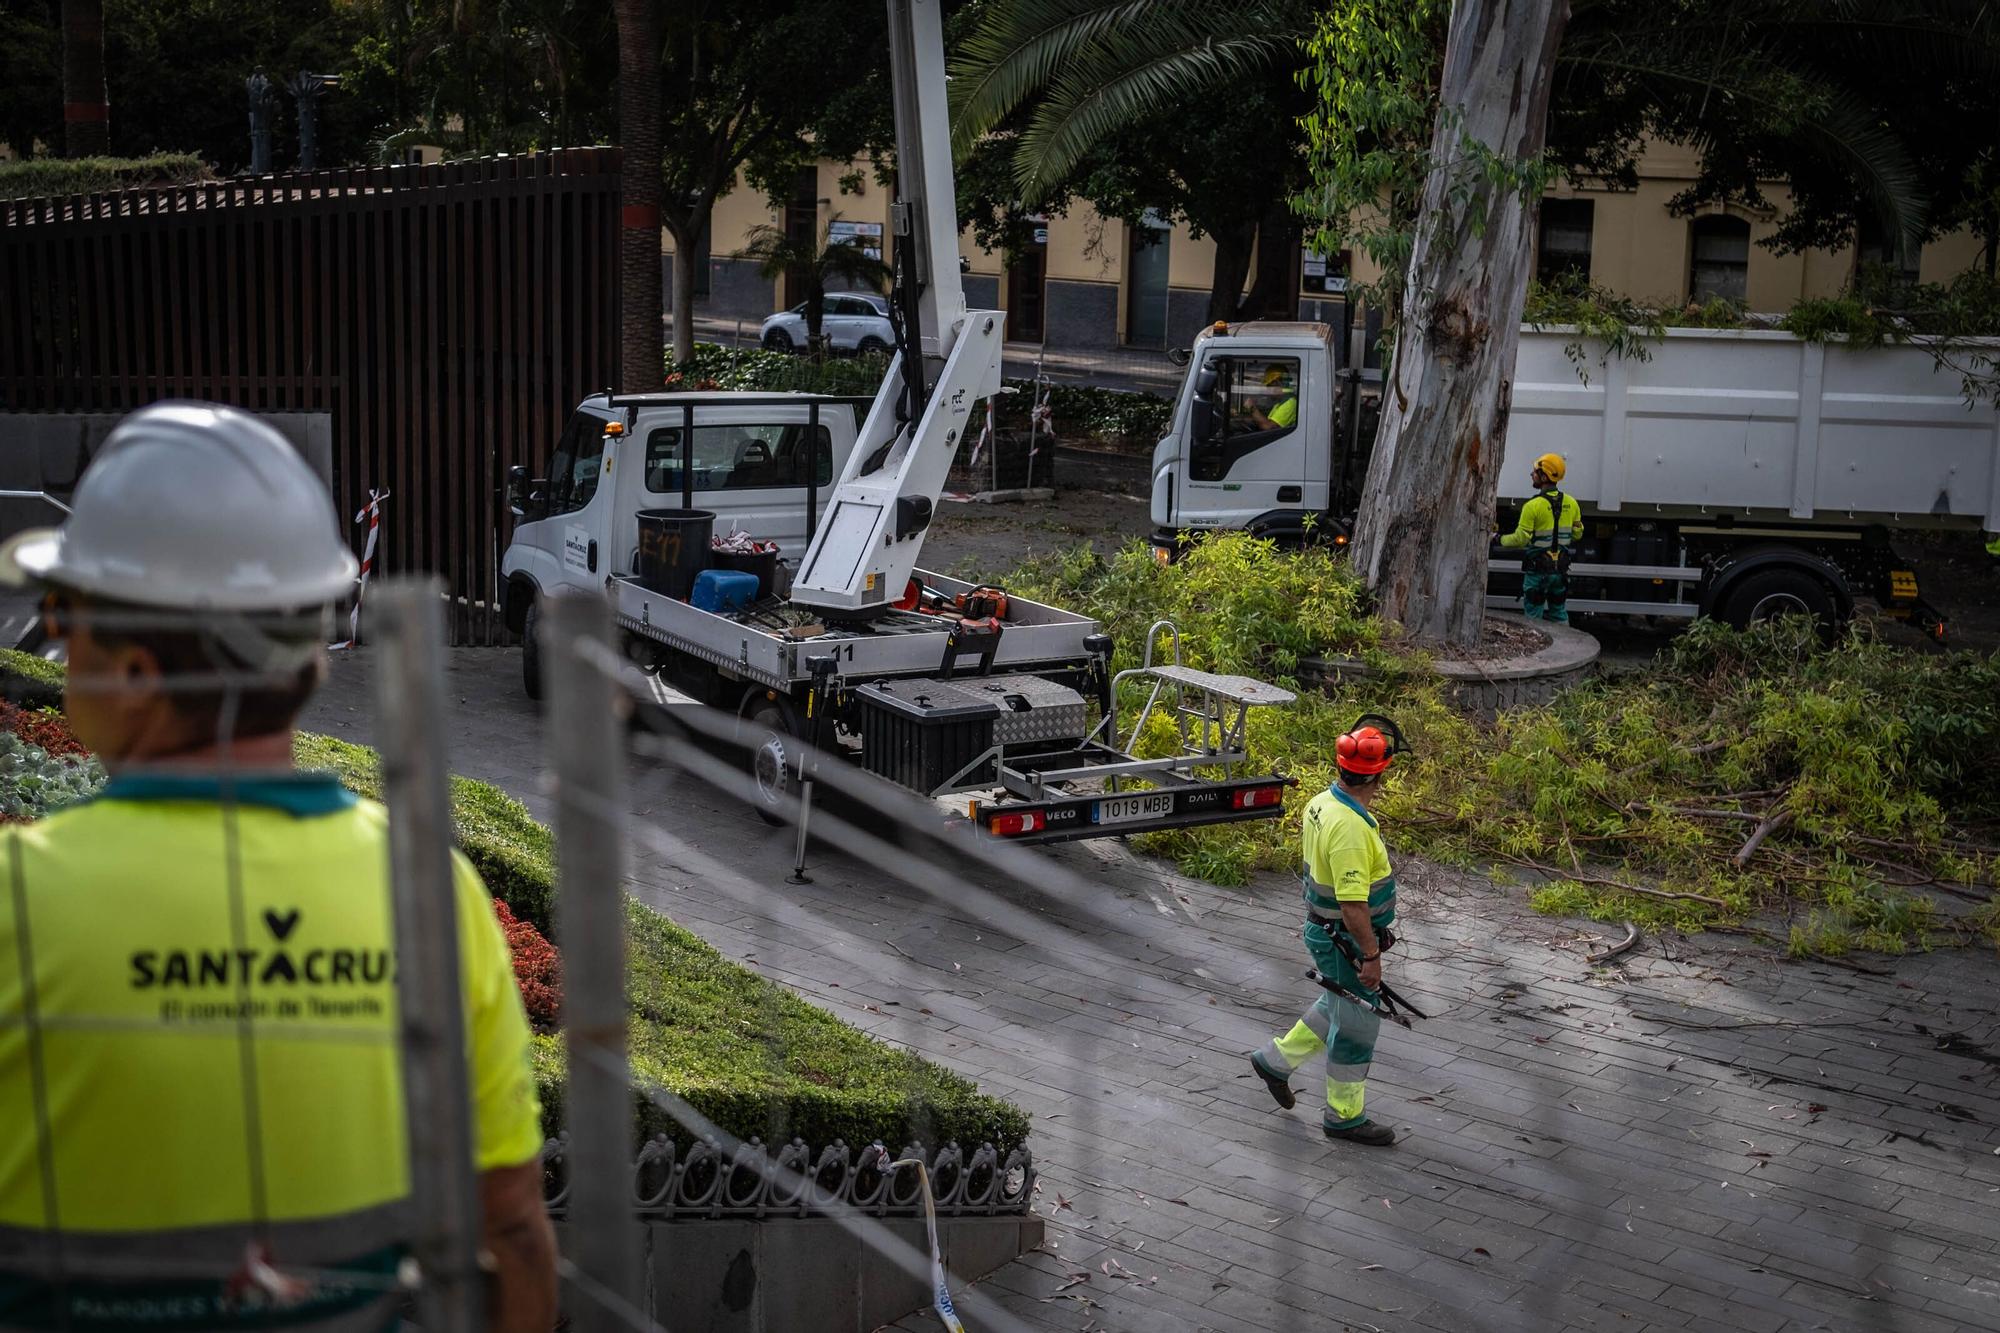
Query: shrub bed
{"points": [[1633, 797], [744, 1051]]}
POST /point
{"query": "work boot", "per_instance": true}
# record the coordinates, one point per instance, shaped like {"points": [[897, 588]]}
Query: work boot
{"points": [[1281, 1088], [1367, 1133]]}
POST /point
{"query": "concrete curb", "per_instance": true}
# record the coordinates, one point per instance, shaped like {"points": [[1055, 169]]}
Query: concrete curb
{"points": [[1487, 689]]}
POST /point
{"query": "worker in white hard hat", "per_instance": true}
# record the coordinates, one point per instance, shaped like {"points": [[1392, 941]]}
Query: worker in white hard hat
{"points": [[200, 1065]]}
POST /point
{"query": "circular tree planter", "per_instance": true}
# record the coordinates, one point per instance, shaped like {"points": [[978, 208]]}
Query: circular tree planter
{"points": [[1490, 686]]}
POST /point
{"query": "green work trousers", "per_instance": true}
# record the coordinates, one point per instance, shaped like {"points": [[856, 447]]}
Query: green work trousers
{"points": [[1545, 597]]}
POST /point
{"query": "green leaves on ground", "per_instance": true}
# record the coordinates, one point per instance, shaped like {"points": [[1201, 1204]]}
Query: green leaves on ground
{"points": [[1628, 797]]}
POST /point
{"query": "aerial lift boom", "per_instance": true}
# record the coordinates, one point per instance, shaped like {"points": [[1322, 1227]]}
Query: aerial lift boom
{"points": [[947, 357]]}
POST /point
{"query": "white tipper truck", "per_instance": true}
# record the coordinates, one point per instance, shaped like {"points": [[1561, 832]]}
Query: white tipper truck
{"points": [[1735, 473], [942, 687]]}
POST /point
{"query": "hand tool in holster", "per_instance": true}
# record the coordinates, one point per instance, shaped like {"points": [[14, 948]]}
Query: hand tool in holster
{"points": [[1391, 1000]]}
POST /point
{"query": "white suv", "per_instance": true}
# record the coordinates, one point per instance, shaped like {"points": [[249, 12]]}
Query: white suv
{"points": [[852, 322]]}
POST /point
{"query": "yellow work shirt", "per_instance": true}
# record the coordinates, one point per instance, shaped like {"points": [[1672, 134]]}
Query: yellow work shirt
{"points": [[1345, 859], [179, 950], [1285, 414], [1538, 529]]}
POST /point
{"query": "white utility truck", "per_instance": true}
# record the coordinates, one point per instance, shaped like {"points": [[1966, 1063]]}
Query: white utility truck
{"points": [[937, 685], [1739, 474]]}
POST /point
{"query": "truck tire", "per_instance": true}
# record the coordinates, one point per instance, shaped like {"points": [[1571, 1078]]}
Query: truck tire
{"points": [[1770, 593], [531, 649], [771, 740]]}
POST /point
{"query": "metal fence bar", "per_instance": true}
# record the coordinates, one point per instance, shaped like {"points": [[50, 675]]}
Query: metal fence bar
{"points": [[409, 615], [587, 757]]}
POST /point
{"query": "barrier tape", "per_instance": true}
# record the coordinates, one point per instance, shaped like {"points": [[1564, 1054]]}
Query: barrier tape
{"points": [[940, 1292], [373, 513]]}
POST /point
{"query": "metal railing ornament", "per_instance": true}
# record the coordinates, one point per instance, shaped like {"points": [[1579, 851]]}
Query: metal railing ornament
{"points": [[702, 1181]]}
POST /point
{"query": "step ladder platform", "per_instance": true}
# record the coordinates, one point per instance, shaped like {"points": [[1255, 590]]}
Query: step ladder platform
{"points": [[1245, 690]]}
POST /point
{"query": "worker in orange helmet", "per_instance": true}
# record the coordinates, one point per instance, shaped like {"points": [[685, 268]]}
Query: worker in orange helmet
{"points": [[1350, 894]]}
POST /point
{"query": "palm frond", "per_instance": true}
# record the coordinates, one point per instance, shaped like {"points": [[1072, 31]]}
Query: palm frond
{"points": [[1027, 46], [1095, 99]]}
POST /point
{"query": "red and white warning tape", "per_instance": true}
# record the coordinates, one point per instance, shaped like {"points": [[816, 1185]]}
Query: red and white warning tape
{"points": [[373, 513]]}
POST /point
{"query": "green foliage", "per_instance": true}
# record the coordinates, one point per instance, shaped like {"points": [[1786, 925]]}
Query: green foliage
{"points": [[34, 782], [1082, 412], [45, 177], [745, 1052], [713, 367], [1881, 758], [30, 681], [1374, 70]]}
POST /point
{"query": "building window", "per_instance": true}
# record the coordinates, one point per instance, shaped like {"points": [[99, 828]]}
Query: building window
{"points": [[1563, 244], [1721, 266], [1876, 246]]}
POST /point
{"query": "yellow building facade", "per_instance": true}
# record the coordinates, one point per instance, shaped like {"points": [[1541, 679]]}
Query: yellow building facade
{"points": [[1091, 282]]}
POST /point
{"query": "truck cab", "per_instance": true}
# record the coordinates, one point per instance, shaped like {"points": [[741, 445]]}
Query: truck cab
{"points": [[764, 464], [1251, 444]]}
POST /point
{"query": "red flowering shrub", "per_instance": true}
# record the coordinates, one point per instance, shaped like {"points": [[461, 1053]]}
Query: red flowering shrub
{"points": [[537, 969], [49, 731]]}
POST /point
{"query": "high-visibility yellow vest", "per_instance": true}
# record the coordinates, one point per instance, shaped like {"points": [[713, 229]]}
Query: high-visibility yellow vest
{"points": [[198, 1032]]}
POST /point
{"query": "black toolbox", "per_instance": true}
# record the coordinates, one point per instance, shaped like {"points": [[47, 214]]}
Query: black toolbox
{"points": [[921, 733]]}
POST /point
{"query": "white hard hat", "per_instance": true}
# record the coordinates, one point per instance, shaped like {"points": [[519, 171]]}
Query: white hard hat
{"points": [[195, 506]]}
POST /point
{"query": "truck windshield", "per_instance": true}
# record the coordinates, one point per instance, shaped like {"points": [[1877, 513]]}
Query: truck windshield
{"points": [[736, 457]]}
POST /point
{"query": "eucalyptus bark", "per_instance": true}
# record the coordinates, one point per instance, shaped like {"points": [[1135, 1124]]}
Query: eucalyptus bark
{"points": [[1427, 506], [640, 367]]}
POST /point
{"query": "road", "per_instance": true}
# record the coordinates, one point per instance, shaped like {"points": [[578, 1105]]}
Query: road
{"points": [[1698, 1136]]}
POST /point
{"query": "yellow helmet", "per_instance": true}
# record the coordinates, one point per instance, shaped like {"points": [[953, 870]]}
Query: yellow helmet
{"points": [[1276, 372], [1551, 466]]}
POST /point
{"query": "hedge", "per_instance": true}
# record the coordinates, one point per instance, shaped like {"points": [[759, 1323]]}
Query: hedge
{"points": [[1081, 411], [48, 177], [743, 1051], [30, 681]]}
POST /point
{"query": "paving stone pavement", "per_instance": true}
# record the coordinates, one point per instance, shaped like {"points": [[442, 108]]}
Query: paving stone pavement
{"points": [[1701, 1136]]}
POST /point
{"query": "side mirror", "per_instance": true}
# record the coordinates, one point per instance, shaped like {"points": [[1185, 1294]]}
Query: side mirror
{"points": [[1204, 382], [1202, 417]]}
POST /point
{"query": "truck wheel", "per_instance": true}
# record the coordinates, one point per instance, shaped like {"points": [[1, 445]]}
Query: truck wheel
{"points": [[1771, 593], [771, 737], [531, 650]]}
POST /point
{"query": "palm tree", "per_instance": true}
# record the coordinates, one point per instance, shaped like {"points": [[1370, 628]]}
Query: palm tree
{"points": [[813, 265], [86, 104]]}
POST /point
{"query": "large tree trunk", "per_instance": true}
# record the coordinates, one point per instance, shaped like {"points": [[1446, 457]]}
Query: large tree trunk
{"points": [[1427, 507], [1274, 293], [639, 234], [1232, 265], [86, 104]]}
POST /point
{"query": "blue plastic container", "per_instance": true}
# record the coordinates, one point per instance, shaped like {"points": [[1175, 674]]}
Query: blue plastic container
{"points": [[724, 590]]}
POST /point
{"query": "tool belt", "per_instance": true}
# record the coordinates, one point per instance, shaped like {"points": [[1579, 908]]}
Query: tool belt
{"points": [[1385, 938], [1556, 559]]}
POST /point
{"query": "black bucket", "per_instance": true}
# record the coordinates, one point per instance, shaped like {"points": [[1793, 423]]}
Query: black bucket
{"points": [[764, 566], [673, 548]]}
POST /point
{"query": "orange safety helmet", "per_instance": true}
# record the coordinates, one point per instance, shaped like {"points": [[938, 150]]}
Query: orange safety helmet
{"points": [[1367, 750]]}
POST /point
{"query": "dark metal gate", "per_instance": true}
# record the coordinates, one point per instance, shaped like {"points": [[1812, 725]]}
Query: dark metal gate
{"points": [[448, 316]]}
